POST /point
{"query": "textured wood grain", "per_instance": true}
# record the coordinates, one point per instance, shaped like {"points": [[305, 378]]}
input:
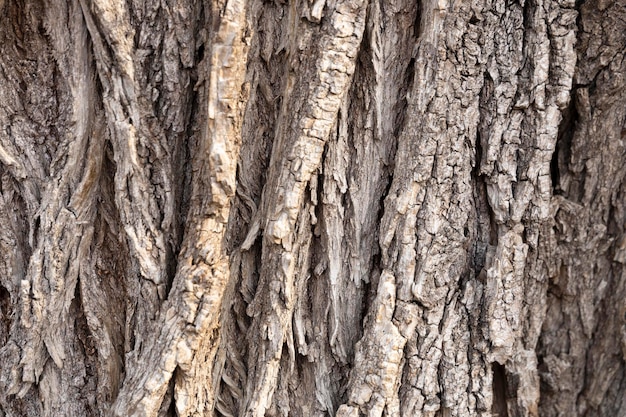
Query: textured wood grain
{"points": [[310, 208]]}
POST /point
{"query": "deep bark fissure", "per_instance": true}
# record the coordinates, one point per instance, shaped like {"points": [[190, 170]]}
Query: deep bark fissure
{"points": [[7, 313], [500, 391]]}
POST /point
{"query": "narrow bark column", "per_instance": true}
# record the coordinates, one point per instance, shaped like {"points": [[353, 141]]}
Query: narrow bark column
{"points": [[195, 391], [353, 176], [142, 195], [147, 96], [51, 323], [425, 232], [582, 341], [271, 26], [467, 320], [185, 332], [356, 170], [310, 109], [521, 114]]}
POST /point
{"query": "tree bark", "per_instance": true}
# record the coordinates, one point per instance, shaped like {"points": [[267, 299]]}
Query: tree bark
{"points": [[332, 207]]}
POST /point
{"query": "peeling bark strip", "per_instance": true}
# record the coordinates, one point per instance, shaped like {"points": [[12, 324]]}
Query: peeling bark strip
{"points": [[312, 208]]}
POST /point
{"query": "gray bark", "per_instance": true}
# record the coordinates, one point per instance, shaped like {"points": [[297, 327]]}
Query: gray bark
{"points": [[330, 207]]}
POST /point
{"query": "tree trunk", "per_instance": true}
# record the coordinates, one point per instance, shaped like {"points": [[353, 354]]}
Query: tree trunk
{"points": [[331, 207]]}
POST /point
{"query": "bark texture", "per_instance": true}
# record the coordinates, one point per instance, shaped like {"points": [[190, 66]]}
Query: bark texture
{"points": [[317, 207]]}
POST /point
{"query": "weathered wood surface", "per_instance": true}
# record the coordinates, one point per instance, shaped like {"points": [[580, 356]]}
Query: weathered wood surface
{"points": [[311, 208]]}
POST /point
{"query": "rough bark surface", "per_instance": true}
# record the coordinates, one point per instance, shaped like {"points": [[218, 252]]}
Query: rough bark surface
{"points": [[329, 207]]}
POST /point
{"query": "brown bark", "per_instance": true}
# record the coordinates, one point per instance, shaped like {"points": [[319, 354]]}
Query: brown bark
{"points": [[341, 207]]}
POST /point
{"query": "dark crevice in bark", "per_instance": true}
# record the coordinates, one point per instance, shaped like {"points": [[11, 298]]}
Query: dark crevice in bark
{"points": [[6, 312], [182, 200], [232, 375], [527, 17], [112, 268], [88, 363], [171, 266], [561, 156], [417, 26], [485, 209], [168, 406], [253, 285], [182, 196], [478, 156], [200, 52], [267, 90], [22, 226], [370, 288], [401, 105], [500, 389], [443, 411], [34, 231], [182, 175], [486, 232], [554, 170]]}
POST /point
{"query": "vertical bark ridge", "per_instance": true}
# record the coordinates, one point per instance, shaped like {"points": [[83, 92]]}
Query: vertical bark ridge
{"points": [[516, 163], [298, 155], [582, 372], [27, 117], [434, 212], [153, 57], [104, 297], [22, 177], [135, 151], [268, 60], [422, 217], [184, 336], [350, 197], [64, 219], [226, 98], [168, 40]]}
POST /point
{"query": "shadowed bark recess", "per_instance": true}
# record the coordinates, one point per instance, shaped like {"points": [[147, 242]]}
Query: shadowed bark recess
{"points": [[308, 208]]}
